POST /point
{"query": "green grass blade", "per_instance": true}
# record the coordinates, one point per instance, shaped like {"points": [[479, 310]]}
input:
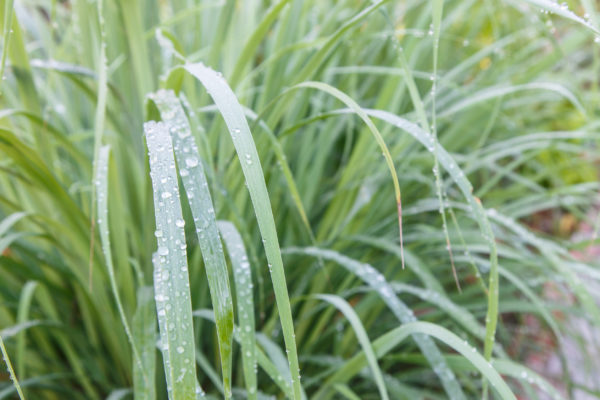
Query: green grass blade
{"points": [[22, 316], [475, 207], [558, 9], [345, 391], [347, 100], [500, 91], [144, 334], [242, 276], [205, 366], [233, 115], [11, 371], [9, 221], [522, 373], [285, 168], [132, 21], [456, 312], [7, 16], [437, 12], [171, 281], [362, 336], [275, 373], [391, 339], [101, 180], [196, 187], [378, 283], [98, 125], [254, 41]]}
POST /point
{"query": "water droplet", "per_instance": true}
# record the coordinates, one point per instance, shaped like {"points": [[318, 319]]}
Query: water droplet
{"points": [[180, 349], [166, 195], [163, 251], [191, 162], [180, 223]]}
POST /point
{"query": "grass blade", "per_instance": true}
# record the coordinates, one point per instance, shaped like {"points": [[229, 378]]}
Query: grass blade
{"points": [[22, 316], [254, 41], [378, 283], [347, 100], [242, 275], [475, 207], [388, 341], [98, 126], [276, 374], [500, 91], [558, 9], [362, 336], [196, 187], [144, 334], [233, 115], [7, 16], [102, 195], [11, 371], [171, 281]]}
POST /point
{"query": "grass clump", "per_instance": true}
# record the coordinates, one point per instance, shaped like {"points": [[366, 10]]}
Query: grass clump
{"points": [[406, 192]]}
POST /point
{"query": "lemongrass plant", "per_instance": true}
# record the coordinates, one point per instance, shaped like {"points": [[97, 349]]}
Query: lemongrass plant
{"points": [[297, 199]]}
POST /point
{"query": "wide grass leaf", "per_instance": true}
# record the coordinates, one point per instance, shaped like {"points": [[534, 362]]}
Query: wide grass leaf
{"points": [[171, 280]]}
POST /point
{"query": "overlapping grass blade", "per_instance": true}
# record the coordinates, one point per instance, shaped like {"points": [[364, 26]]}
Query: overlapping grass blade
{"points": [[22, 317], [201, 205], [378, 283], [285, 167], [7, 16], [234, 118], [98, 125], [412, 262], [475, 207], [362, 336], [456, 312], [144, 335], [549, 252], [171, 281], [254, 41], [500, 91], [101, 180], [437, 11], [242, 275], [10, 369], [347, 100], [345, 391], [473, 88], [275, 373], [388, 341], [562, 9]]}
